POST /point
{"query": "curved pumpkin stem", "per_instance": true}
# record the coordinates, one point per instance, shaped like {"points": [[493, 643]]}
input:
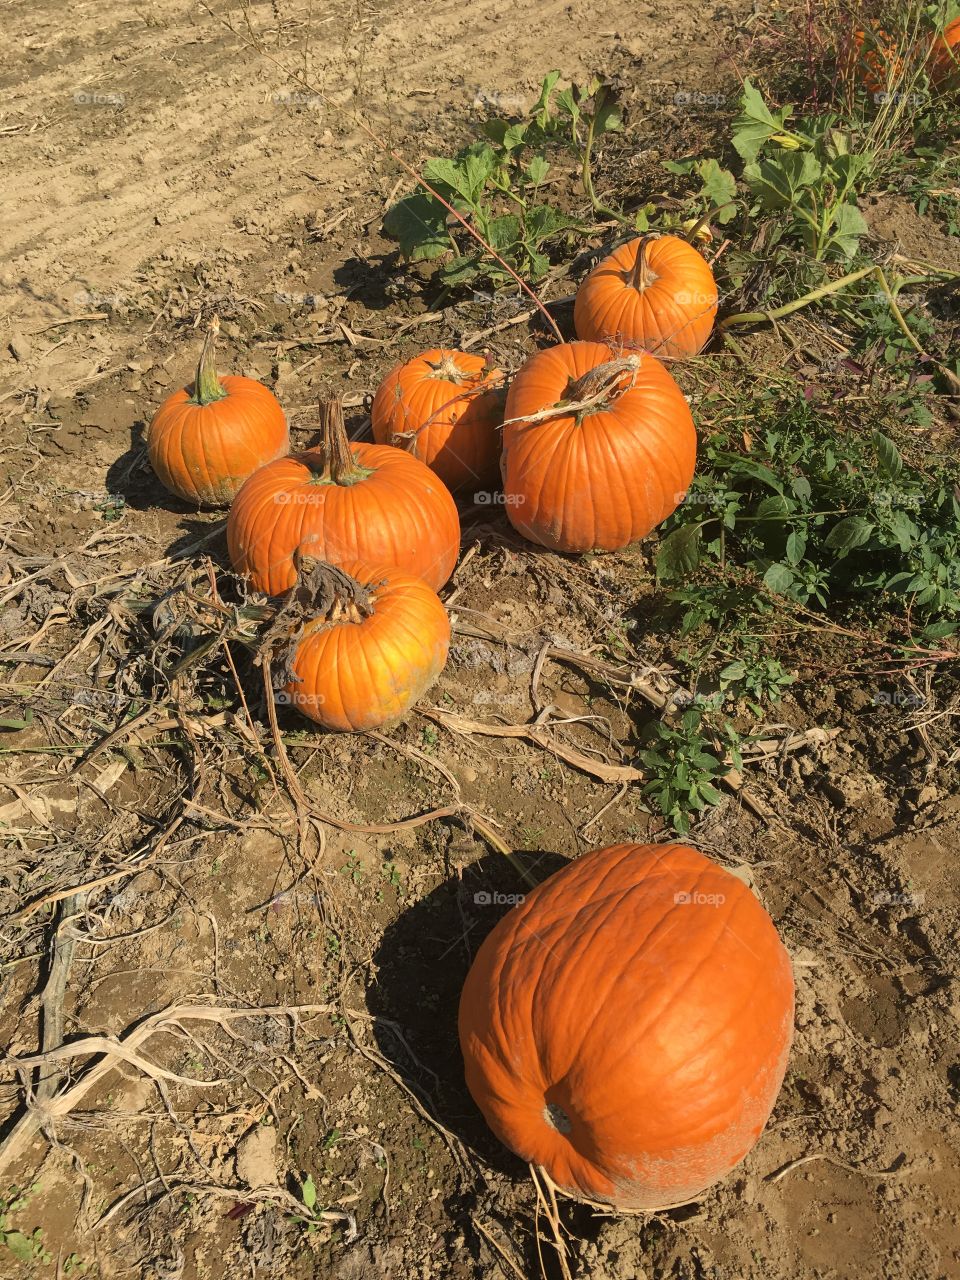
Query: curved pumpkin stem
{"points": [[340, 463], [323, 590], [602, 383], [642, 275], [207, 387]]}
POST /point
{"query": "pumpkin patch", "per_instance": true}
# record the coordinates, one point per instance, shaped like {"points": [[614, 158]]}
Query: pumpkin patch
{"points": [[480, 760]]}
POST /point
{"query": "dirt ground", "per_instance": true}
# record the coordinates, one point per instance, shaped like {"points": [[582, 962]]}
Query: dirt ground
{"points": [[157, 167]]}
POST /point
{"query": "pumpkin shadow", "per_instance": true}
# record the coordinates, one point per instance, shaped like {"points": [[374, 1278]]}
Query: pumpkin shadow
{"points": [[422, 961], [131, 478], [377, 282]]}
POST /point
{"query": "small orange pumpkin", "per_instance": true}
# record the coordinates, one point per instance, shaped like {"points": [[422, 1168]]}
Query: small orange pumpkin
{"points": [[445, 407], [656, 293], [602, 476], [945, 63], [345, 502], [206, 440], [379, 646], [627, 1027], [873, 59]]}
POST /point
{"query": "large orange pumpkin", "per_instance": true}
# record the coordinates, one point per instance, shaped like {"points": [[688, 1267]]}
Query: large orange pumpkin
{"points": [[206, 440], [445, 407], [627, 1027], [601, 477], [345, 502], [656, 293], [380, 644], [945, 62]]}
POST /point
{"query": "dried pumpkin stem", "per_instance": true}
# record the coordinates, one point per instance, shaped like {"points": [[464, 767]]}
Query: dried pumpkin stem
{"points": [[326, 591], [594, 392], [207, 387], [340, 463], [642, 274], [448, 369]]}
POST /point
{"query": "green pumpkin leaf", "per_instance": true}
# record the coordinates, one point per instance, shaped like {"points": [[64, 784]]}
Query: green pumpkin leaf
{"points": [[679, 553], [719, 186], [756, 123], [419, 223], [537, 170], [20, 1246], [848, 226]]}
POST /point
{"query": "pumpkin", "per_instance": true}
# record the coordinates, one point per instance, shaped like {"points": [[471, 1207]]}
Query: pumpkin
{"points": [[206, 440], [343, 502], [655, 292], [627, 1027], [596, 477], [945, 59], [445, 407], [380, 641], [873, 60]]}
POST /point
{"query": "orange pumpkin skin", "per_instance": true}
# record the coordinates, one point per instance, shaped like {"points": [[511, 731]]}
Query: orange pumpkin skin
{"points": [[656, 293], [945, 62], [359, 675], [607, 480], [206, 440], [396, 512], [627, 1027], [436, 406], [873, 59]]}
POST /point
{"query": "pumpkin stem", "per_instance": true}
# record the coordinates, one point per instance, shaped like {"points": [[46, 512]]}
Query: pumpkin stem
{"points": [[207, 386], [603, 383], [448, 369], [340, 463], [326, 591], [642, 274]]}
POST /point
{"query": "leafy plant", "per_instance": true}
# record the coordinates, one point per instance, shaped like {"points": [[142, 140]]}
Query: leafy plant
{"points": [[25, 1247], [818, 515], [496, 183], [806, 175], [683, 763], [309, 1219]]}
